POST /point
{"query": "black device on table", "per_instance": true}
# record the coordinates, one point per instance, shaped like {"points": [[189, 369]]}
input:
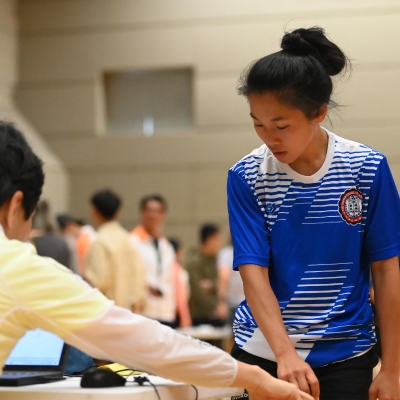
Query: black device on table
{"points": [[101, 378], [38, 357], [105, 378]]}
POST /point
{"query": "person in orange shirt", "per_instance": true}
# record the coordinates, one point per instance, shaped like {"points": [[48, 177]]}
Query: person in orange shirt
{"points": [[182, 286], [86, 237]]}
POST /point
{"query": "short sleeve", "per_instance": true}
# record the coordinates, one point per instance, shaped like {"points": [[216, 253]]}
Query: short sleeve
{"points": [[382, 236], [247, 224]]}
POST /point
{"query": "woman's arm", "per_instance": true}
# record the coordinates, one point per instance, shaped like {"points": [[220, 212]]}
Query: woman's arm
{"points": [[386, 278], [266, 311]]}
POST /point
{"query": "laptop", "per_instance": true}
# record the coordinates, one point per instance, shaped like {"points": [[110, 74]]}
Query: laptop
{"points": [[38, 357]]}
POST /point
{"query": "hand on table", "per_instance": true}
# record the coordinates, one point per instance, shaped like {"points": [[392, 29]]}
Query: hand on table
{"points": [[275, 389]]}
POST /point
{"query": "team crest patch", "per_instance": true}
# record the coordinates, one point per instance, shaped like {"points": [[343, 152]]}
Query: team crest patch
{"points": [[350, 206]]}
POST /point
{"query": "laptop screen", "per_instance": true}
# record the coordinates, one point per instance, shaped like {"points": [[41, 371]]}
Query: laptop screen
{"points": [[37, 347]]}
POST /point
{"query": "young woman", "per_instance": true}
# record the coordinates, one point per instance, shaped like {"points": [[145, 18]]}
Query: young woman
{"points": [[310, 212]]}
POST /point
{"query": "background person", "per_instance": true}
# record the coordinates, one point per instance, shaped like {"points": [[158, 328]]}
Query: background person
{"points": [[158, 257], [49, 243], [201, 264], [69, 230], [113, 264], [87, 235], [182, 286], [230, 284]]}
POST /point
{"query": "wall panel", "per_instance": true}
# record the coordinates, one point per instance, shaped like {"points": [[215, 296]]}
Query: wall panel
{"points": [[60, 110], [56, 185], [66, 46], [86, 56], [61, 15]]}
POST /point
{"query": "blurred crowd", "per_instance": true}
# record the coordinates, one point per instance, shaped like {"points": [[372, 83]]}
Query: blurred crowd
{"points": [[142, 270]]}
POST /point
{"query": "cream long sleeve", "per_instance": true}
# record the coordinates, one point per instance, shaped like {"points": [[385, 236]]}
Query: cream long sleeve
{"points": [[37, 292]]}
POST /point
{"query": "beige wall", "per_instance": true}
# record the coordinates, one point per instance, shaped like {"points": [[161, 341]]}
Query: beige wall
{"points": [[66, 45], [56, 187]]}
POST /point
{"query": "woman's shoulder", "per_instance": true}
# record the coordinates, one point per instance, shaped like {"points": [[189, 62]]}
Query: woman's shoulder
{"points": [[252, 161], [347, 147]]}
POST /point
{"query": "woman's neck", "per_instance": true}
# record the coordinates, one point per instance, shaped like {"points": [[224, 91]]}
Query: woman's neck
{"points": [[314, 156]]}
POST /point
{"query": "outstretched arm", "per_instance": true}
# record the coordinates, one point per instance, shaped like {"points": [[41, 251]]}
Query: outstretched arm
{"points": [[48, 296]]}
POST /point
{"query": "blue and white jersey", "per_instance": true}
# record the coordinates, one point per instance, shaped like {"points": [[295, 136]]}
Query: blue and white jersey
{"points": [[317, 235]]}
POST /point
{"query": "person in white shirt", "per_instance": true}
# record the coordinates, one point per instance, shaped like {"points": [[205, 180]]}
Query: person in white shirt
{"points": [[230, 284], [37, 292], [158, 257]]}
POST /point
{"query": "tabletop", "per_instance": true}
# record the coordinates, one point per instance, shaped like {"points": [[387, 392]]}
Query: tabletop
{"points": [[69, 389]]}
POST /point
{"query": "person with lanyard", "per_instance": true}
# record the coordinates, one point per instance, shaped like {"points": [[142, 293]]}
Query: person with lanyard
{"points": [[310, 213], [38, 292], [158, 257]]}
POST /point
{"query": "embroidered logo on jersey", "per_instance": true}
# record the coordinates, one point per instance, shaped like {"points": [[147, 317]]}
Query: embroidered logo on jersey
{"points": [[271, 208], [350, 206]]}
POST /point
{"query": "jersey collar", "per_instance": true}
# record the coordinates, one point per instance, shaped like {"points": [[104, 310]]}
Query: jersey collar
{"points": [[321, 172]]}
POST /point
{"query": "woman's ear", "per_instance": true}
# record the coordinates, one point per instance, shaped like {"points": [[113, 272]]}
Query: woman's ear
{"points": [[14, 208], [321, 115]]}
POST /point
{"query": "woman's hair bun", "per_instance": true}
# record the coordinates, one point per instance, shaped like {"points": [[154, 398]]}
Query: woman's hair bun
{"points": [[313, 42]]}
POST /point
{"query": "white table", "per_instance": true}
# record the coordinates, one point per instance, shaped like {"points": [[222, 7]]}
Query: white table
{"points": [[70, 389], [219, 337], [208, 332]]}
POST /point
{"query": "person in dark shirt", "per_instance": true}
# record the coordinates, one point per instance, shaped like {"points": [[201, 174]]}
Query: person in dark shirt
{"points": [[48, 243], [201, 265]]}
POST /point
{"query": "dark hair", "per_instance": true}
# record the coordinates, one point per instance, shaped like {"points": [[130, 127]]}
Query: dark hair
{"points": [[208, 230], [106, 202], [20, 169], [176, 244], [64, 219], [300, 74], [80, 221], [153, 197]]}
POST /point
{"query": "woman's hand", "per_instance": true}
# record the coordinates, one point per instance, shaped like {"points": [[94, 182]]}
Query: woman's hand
{"points": [[385, 386], [291, 368], [262, 386], [275, 389]]}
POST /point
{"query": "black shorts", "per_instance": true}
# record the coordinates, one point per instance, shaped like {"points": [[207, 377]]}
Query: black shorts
{"points": [[345, 380]]}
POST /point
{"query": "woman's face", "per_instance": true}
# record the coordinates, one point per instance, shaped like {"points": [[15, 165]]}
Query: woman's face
{"points": [[286, 131]]}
